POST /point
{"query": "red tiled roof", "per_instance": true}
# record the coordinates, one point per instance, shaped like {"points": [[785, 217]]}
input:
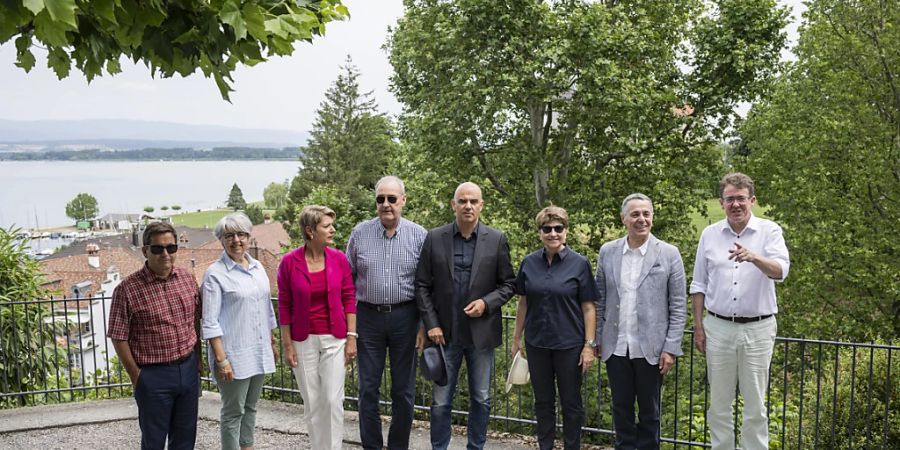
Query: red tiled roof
{"points": [[67, 268], [272, 237]]}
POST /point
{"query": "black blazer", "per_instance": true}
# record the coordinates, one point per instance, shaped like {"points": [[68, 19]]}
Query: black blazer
{"points": [[492, 280]]}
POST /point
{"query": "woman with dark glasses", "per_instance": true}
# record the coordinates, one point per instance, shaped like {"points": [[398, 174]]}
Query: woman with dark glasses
{"points": [[317, 312], [556, 310], [238, 319]]}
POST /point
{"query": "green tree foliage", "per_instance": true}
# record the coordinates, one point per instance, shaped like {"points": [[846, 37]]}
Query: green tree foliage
{"points": [[275, 194], [82, 207], [349, 143], [255, 214], [579, 103], [348, 149], [236, 198], [168, 37], [825, 150], [149, 209], [176, 207], [164, 208], [24, 341]]}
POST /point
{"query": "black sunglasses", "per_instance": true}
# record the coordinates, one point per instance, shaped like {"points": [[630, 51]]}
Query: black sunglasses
{"points": [[557, 228], [158, 249], [390, 198]]}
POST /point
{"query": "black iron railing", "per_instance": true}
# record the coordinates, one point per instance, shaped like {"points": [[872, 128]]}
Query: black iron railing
{"points": [[821, 394]]}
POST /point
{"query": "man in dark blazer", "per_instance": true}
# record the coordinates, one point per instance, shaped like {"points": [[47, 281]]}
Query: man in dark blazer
{"points": [[641, 312], [463, 278]]}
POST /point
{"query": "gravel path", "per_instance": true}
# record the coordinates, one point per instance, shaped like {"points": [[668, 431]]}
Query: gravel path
{"points": [[86, 436]]}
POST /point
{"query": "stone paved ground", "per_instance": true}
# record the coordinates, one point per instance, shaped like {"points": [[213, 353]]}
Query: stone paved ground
{"points": [[112, 424], [121, 434]]}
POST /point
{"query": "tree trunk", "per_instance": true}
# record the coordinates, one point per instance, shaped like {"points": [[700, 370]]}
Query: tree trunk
{"points": [[539, 135]]}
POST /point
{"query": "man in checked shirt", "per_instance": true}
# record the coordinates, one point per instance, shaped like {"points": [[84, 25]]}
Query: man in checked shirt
{"points": [[383, 254], [153, 325]]}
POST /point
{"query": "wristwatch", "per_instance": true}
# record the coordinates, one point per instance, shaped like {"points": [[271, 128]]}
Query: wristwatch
{"points": [[590, 343]]}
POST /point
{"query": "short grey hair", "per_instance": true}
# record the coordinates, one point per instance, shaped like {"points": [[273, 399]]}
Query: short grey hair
{"points": [[391, 179], [632, 197], [234, 222]]}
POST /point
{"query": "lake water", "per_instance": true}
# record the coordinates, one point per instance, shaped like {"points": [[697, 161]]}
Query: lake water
{"points": [[36, 192]]}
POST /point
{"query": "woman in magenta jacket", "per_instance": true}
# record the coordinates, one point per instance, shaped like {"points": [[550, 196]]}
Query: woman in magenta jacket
{"points": [[317, 313]]}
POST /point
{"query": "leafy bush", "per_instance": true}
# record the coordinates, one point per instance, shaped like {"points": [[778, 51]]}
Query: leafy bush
{"points": [[26, 356]]}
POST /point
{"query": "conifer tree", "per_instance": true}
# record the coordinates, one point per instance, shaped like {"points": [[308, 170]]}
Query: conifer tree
{"points": [[236, 198]]}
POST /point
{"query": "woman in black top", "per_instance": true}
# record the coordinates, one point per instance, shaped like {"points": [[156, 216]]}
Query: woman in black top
{"points": [[557, 313]]}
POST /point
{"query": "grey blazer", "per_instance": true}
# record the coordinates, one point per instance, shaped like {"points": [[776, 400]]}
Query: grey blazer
{"points": [[493, 280], [661, 297]]}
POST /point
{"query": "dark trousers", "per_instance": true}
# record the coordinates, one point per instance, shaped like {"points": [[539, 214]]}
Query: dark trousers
{"points": [[167, 399], [551, 370], [383, 334], [631, 379]]}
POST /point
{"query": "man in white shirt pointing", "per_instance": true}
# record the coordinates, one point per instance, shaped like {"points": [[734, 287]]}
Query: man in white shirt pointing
{"points": [[739, 259]]}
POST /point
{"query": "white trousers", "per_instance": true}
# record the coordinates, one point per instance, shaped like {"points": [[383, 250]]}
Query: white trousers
{"points": [[320, 375], [738, 354]]}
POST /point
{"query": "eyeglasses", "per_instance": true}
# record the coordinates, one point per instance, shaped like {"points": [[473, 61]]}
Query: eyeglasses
{"points": [[390, 198], [546, 229], [732, 200], [240, 236], [158, 249]]}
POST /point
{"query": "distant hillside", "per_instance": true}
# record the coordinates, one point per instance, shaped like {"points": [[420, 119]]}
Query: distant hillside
{"points": [[158, 154], [119, 134]]}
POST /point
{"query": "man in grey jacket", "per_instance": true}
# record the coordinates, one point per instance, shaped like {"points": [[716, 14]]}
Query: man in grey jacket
{"points": [[641, 314]]}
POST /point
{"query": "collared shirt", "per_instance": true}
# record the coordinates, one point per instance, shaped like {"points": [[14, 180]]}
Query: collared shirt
{"points": [[156, 316], [463, 258], [384, 268], [237, 306], [632, 262], [555, 293], [739, 289]]}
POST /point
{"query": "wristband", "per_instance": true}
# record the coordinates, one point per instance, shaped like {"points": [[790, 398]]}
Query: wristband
{"points": [[225, 363], [353, 333]]}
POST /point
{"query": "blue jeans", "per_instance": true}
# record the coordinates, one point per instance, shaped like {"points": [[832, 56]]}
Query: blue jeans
{"points": [[383, 334], [480, 365]]}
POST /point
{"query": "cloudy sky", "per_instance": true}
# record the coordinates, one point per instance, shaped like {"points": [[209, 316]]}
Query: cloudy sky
{"points": [[282, 93]]}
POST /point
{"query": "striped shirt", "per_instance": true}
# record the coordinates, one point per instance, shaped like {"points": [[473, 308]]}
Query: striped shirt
{"points": [[156, 316], [384, 268], [237, 306]]}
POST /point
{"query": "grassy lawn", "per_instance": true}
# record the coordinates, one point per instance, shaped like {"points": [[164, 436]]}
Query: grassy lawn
{"points": [[715, 213], [208, 218], [202, 219]]}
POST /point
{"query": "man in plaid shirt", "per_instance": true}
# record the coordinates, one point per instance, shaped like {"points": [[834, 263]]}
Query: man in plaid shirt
{"points": [[383, 254], [153, 325]]}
